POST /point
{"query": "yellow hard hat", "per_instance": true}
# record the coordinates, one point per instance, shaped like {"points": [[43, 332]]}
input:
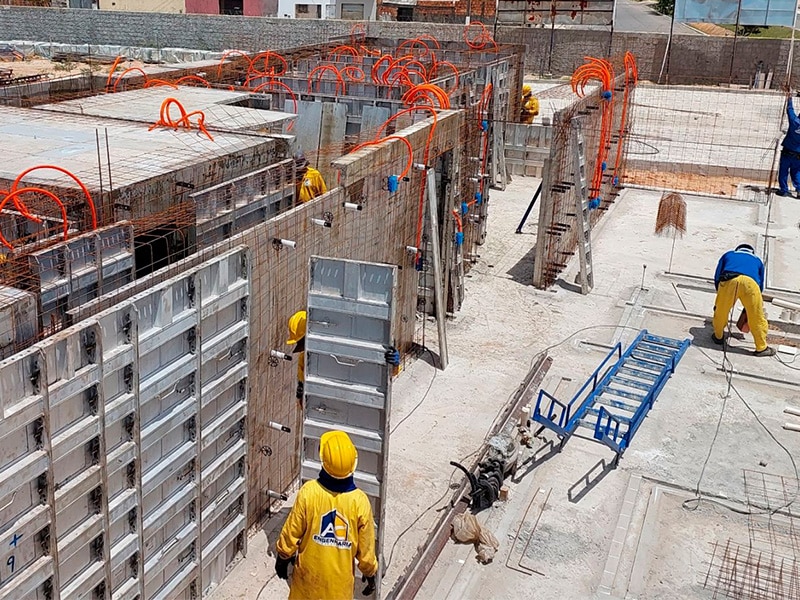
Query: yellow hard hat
{"points": [[338, 454], [526, 89], [297, 327]]}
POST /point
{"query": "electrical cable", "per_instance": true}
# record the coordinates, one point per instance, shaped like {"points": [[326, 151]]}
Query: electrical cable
{"points": [[727, 367], [424, 396]]}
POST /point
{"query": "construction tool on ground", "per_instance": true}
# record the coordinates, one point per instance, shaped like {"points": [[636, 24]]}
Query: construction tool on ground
{"points": [[530, 208], [501, 460], [618, 395]]}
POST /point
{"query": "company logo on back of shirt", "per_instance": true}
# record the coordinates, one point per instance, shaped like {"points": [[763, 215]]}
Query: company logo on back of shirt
{"points": [[333, 530]]}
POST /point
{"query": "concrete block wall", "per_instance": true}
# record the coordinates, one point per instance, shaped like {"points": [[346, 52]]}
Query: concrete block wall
{"points": [[695, 59]]}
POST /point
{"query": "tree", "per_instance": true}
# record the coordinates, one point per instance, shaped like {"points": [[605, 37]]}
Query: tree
{"points": [[665, 7]]}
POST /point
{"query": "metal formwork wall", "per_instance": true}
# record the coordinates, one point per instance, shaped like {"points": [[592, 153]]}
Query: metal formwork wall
{"points": [[126, 475]]}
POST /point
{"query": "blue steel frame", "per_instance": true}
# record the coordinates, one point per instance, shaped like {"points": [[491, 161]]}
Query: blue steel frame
{"points": [[565, 421]]}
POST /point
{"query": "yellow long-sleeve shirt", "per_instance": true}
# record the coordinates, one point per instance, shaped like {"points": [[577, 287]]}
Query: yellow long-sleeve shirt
{"points": [[328, 531], [311, 186]]}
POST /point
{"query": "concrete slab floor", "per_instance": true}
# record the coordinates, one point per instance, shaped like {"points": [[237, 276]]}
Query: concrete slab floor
{"points": [[219, 107], [34, 137], [597, 530]]}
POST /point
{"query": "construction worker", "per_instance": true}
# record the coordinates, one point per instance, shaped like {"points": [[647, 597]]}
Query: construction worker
{"points": [[310, 183], [790, 154], [297, 336], [740, 276], [529, 106], [329, 527]]}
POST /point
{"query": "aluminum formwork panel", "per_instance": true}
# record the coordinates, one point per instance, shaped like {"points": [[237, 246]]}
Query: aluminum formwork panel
{"points": [[224, 289], [28, 563], [347, 381], [73, 272]]}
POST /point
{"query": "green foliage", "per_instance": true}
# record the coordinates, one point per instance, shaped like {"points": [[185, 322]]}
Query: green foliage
{"points": [[665, 7]]}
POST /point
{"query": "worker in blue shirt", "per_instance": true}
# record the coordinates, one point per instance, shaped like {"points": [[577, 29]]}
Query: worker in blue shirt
{"points": [[790, 154], [740, 276]]}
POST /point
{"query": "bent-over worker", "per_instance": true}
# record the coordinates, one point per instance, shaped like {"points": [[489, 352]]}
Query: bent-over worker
{"points": [[329, 527], [297, 337], [740, 276], [310, 183], [529, 106]]}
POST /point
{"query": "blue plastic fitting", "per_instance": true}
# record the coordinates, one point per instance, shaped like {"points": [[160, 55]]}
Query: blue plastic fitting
{"points": [[594, 203], [393, 183], [459, 238], [604, 166], [615, 181], [607, 95], [464, 208], [478, 198], [485, 125]]}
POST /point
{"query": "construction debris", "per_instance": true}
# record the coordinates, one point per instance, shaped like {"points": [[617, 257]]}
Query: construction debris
{"points": [[468, 530]]}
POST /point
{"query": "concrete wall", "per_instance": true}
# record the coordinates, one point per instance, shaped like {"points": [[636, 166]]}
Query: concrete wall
{"points": [[694, 59]]}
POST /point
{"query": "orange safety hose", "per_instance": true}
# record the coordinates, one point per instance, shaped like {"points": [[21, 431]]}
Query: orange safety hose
{"points": [[292, 95], [84, 189], [631, 79], [321, 71], [410, 162], [125, 72], [111, 72], [228, 53], [13, 194]]}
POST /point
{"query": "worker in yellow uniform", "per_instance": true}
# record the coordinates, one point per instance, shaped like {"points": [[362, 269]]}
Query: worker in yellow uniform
{"points": [[529, 106], [310, 183], [740, 276], [329, 528], [297, 337]]}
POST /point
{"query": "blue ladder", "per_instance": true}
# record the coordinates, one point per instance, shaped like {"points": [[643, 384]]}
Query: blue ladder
{"points": [[618, 395]]}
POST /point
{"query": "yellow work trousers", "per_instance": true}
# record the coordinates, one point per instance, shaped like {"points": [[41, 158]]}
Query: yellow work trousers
{"points": [[746, 290]]}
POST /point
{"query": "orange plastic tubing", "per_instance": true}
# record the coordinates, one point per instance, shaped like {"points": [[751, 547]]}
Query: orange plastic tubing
{"points": [[427, 92], [353, 73], [273, 82], [13, 195], [410, 161], [631, 79], [125, 72], [84, 189], [228, 53], [459, 224], [193, 78], [320, 71], [375, 75], [159, 82], [165, 119], [358, 33], [340, 51], [483, 39], [111, 72], [435, 68], [265, 56]]}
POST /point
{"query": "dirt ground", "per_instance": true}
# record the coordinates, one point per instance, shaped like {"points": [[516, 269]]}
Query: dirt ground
{"points": [[38, 65], [690, 182]]}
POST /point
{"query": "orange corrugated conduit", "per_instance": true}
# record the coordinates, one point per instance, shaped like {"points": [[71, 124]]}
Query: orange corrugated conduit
{"points": [[165, 120], [125, 72], [12, 196], [631, 79], [228, 53], [320, 71], [84, 189], [275, 82]]}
